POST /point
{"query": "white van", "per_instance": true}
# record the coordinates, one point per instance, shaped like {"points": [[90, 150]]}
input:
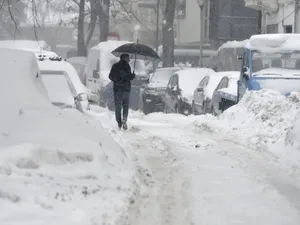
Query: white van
{"points": [[99, 63]]}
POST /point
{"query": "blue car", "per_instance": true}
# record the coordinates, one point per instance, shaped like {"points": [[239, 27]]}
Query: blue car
{"points": [[271, 61]]}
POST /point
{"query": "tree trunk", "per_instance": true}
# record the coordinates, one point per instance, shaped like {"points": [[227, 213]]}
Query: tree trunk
{"points": [[81, 48], [168, 34], [95, 8], [104, 20]]}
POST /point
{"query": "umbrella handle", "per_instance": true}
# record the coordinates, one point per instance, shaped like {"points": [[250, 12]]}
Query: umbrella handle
{"points": [[134, 63], [135, 58]]}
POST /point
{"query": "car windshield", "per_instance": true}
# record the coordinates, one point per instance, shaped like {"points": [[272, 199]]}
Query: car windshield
{"points": [[276, 63], [58, 89], [163, 76]]}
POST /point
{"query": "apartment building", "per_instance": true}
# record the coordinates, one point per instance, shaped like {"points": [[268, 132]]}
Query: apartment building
{"points": [[278, 16]]}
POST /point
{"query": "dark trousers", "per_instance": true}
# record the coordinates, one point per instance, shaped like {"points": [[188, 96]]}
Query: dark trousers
{"points": [[121, 101]]}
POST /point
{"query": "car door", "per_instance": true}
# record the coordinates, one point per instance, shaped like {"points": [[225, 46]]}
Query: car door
{"points": [[199, 95], [175, 93], [216, 98], [168, 94]]}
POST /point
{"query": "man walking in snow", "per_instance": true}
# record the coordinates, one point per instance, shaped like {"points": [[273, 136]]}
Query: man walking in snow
{"points": [[121, 77]]}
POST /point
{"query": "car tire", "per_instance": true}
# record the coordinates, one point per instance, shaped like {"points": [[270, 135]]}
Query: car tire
{"points": [[165, 109], [213, 112], [194, 111], [146, 109]]}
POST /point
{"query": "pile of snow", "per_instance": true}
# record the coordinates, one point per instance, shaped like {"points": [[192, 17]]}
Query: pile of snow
{"points": [[234, 44], [264, 121], [56, 166]]}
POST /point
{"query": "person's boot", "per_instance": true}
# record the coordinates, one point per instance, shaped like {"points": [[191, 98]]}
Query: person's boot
{"points": [[119, 125], [124, 124]]}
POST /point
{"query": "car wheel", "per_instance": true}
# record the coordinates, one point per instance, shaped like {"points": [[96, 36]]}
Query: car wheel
{"points": [[194, 111], [165, 109], [146, 108], [176, 110], [213, 112]]}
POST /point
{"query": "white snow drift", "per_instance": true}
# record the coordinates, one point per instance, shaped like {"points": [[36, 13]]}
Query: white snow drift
{"points": [[264, 121], [56, 167]]}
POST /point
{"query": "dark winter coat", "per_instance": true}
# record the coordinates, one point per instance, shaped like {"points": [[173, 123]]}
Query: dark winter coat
{"points": [[121, 76]]}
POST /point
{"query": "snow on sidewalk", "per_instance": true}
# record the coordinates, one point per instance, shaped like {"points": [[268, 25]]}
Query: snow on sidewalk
{"points": [[56, 166], [197, 179]]}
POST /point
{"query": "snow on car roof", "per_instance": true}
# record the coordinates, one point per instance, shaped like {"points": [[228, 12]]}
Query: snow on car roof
{"points": [[234, 44], [68, 68], [214, 80], [229, 74], [274, 42], [190, 78]]}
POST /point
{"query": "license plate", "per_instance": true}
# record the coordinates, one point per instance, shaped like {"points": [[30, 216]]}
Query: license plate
{"points": [[148, 100]]}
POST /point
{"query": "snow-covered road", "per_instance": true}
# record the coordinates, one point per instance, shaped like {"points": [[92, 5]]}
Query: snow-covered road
{"points": [[191, 175]]}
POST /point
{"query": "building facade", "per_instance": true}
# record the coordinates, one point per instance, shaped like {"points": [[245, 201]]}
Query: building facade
{"points": [[278, 16], [225, 20]]}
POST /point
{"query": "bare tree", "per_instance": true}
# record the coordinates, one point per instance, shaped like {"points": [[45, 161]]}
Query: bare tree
{"points": [[81, 47], [168, 33]]}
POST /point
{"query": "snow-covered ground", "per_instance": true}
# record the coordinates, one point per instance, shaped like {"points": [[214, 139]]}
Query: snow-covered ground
{"points": [[56, 166], [64, 167], [240, 168]]}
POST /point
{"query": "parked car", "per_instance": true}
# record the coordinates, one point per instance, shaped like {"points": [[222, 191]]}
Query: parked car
{"points": [[202, 101], [154, 91], [180, 90], [63, 85], [79, 64], [225, 95]]}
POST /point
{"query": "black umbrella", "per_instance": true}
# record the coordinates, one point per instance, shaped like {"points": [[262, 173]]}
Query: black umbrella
{"points": [[136, 51]]}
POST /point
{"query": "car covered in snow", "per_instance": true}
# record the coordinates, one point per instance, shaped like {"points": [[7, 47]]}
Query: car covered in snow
{"points": [[63, 85], [225, 94], [79, 64], [271, 61], [180, 90], [154, 92], [203, 94]]}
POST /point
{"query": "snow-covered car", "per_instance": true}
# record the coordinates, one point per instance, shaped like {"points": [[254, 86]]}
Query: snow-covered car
{"points": [[202, 101], [154, 92], [271, 61], [63, 85], [79, 64], [180, 90], [225, 95]]}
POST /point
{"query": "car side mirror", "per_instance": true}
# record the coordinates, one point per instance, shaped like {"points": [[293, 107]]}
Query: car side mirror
{"points": [[245, 75], [96, 74], [81, 97]]}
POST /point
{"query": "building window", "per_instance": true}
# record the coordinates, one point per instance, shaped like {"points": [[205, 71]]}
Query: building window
{"points": [[272, 29], [288, 29]]}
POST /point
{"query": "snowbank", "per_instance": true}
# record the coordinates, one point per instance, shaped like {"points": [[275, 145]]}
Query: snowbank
{"points": [[264, 121], [56, 167]]}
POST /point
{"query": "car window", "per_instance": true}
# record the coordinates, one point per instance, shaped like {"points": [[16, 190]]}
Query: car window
{"points": [[203, 82], [223, 83], [170, 82], [175, 81]]}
